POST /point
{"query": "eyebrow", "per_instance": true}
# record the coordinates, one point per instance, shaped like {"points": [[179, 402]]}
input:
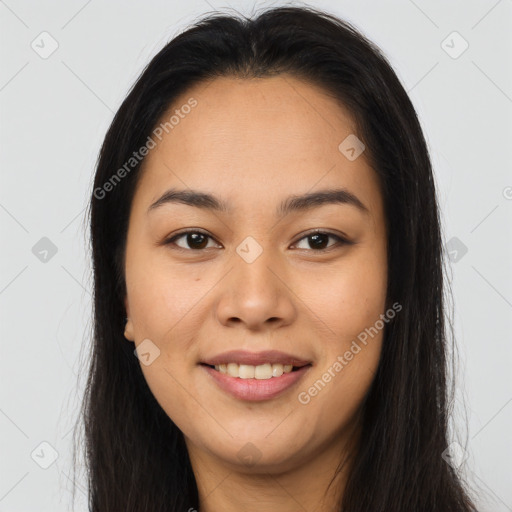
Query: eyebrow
{"points": [[293, 203]]}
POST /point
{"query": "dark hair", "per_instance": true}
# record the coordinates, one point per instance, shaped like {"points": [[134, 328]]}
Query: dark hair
{"points": [[135, 456]]}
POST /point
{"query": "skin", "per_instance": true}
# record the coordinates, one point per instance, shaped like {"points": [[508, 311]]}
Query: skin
{"points": [[254, 142]]}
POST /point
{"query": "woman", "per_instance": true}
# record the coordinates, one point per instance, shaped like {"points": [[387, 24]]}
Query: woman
{"points": [[268, 312]]}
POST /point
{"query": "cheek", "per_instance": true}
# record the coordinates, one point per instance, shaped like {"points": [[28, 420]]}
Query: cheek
{"points": [[333, 396], [349, 301], [165, 304], [161, 295], [348, 298], [350, 353]]}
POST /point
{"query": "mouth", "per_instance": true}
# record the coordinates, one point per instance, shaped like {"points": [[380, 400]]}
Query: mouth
{"points": [[255, 376]]}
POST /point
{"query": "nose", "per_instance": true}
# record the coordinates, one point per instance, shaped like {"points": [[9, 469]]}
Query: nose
{"points": [[256, 295]]}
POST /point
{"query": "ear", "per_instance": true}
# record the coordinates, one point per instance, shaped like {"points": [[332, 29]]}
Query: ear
{"points": [[128, 328]]}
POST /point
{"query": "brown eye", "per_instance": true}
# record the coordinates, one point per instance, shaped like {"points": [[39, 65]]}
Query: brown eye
{"points": [[319, 240], [193, 240]]}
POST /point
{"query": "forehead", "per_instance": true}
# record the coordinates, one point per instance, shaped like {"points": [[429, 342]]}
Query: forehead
{"points": [[258, 136]]}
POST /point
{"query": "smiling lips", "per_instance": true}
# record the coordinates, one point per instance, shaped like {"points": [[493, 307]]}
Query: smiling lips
{"points": [[255, 376]]}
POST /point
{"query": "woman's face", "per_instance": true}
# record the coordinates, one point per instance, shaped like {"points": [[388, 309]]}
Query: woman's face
{"points": [[253, 276]]}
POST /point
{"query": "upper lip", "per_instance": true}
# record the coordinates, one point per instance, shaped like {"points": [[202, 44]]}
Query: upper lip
{"points": [[255, 358]]}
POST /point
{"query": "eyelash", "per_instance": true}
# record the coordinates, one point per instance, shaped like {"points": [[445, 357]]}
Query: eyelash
{"points": [[340, 240]]}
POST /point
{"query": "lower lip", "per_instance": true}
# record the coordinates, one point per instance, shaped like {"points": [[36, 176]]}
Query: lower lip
{"points": [[256, 389]]}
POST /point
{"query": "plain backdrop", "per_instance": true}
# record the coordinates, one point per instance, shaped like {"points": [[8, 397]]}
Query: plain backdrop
{"points": [[65, 69]]}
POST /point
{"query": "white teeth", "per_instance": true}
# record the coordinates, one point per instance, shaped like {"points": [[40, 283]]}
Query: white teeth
{"points": [[233, 369], [277, 370], [247, 371], [263, 371]]}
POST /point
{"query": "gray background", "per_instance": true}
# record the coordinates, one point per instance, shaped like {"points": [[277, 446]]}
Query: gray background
{"points": [[55, 112]]}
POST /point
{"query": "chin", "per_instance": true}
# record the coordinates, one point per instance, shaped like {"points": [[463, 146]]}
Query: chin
{"points": [[259, 451]]}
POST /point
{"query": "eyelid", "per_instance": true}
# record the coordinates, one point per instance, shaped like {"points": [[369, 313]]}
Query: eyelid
{"points": [[342, 239]]}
